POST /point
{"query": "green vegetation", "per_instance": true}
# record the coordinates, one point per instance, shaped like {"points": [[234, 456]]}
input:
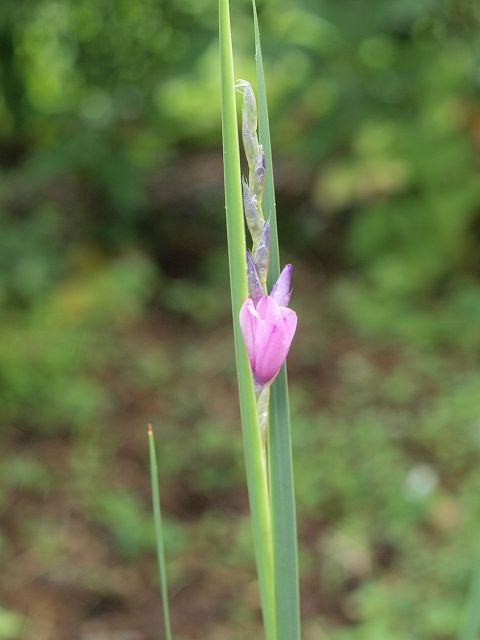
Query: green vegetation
{"points": [[114, 312]]}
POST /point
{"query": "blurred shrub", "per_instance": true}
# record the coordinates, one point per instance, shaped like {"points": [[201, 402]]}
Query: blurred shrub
{"points": [[385, 477], [52, 354], [11, 624], [375, 105], [130, 524]]}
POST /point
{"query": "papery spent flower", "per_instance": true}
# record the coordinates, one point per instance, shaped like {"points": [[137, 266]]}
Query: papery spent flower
{"points": [[268, 329], [249, 105], [261, 255], [257, 175], [253, 213], [250, 144], [249, 122], [255, 287]]}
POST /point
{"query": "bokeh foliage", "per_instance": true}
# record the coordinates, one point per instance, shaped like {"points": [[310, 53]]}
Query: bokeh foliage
{"points": [[114, 306]]}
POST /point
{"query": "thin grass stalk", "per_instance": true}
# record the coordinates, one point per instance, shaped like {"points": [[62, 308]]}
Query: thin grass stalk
{"points": [[282, 495], [471, 624], [160, 546], [256, 476]]}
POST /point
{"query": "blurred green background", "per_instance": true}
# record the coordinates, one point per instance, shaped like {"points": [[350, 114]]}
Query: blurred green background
{"points": [[114, 311]]}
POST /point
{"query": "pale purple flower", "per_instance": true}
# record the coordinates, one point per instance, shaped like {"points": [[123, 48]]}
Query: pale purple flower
{"points": [[268, 328]]}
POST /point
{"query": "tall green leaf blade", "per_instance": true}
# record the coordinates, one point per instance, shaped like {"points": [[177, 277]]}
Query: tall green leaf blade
{"points": [[256, 477], [282, 495]]}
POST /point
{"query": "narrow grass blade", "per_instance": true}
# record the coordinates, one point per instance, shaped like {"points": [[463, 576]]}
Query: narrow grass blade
{"points": [[157, 516], [471, 625], [256, 478], [282, 494]]}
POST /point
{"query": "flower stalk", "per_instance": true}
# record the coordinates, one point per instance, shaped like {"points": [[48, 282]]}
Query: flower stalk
{"points": [[267, 324], [263, 330]]}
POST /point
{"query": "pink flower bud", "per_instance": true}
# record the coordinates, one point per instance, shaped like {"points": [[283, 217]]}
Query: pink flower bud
{"points": [[281, 290], [268, 329]]}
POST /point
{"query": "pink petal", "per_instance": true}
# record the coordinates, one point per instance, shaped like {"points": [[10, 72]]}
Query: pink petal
{"points": [[289, 318], [248, 323], [268, 309], [270, 356], [272, 339]]}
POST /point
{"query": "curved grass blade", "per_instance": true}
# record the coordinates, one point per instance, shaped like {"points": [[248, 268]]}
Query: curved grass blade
{"points": [[282, 494], [157, 516], [256, 477]]}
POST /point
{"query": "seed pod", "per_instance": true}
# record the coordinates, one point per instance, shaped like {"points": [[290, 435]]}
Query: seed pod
{"points": [[261, 255], [253, 213]]}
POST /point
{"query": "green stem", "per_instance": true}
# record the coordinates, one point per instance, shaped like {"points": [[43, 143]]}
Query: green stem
{"points": [[256, 476], [157, 516]]}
